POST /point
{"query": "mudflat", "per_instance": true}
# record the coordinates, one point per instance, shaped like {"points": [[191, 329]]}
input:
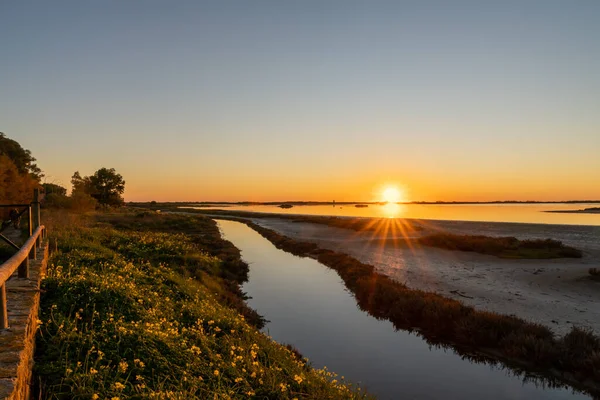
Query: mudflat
{"points": [[557, 293]]}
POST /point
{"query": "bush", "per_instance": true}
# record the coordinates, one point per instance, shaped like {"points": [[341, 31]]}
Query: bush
{"points": [[81, 202]]}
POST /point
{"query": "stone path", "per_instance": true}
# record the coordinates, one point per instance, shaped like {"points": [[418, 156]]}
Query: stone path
{"points": [[17, 342]]}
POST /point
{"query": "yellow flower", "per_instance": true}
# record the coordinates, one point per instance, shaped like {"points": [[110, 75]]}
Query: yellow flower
{"points": [[238, 380], [216, 372], [95, 396], [123, 366], [118, 386], [93, 371], [298, 379]]}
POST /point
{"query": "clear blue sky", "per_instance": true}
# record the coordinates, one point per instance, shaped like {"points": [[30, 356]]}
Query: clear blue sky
{"points": [[265, 100]]}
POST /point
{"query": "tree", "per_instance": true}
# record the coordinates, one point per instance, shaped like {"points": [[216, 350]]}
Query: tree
{"points": [[22, 158], [55, 196], [106, 186], [52, 188], [80, 184], [15, 187]]}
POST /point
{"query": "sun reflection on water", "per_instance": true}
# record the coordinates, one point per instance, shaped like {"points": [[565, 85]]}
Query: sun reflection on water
{"points": [[393, 210]]}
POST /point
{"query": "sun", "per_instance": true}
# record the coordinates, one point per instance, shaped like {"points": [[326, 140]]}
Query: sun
{"points": [[391, 194]]}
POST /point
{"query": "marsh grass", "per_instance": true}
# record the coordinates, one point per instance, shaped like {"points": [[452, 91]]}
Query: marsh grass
{"points": [[504, 247], [572, 359], [141, 312]]}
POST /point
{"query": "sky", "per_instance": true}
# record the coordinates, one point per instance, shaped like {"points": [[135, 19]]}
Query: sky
{"points": [[309, 100]]}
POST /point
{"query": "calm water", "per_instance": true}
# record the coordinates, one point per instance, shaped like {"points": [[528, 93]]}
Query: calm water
{"points": [[529, 213], [308, 306]]}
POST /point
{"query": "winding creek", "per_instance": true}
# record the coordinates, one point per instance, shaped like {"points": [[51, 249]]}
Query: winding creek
{"points": [[309, 307]]}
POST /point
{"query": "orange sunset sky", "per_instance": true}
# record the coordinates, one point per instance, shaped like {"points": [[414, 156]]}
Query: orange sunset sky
{"points": [[268, 101]]}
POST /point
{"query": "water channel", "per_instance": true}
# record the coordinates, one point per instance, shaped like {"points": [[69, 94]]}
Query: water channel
{"points": [[309, 307]]}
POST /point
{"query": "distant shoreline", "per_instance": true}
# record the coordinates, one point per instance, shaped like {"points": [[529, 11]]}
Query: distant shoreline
{"points": [[320, 203], [593, 210]]}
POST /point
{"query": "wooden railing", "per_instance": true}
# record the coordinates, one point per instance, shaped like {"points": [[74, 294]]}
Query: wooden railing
{"points": [[20, 260]]}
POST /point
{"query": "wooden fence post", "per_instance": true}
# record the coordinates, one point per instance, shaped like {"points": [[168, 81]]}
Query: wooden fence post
{"points": [[24, 268], [30, 215], [36, 208], [3, 310]]}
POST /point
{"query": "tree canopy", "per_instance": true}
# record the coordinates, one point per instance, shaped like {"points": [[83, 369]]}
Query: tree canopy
{"points": [[52, 188], [106, 186], [22, 159], [18, 174]]}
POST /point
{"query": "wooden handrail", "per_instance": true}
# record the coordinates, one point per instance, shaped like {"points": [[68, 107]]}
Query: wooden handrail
{"points": [[19, 260]]}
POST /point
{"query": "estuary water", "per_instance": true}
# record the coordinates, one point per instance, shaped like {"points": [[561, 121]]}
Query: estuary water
{"points": [[309, 307], [523, 213]]}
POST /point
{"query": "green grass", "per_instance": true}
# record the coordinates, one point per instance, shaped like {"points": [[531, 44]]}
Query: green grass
{"points": [[573, 359], [132, 309], [505, 247]]}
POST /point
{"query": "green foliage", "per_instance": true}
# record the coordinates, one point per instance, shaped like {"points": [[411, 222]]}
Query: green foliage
{"points": [[106, 186], [23, 160], [121, 318]]}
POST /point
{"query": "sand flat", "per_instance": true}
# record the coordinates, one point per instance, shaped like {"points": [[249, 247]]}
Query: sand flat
{"points": [[557, 293]]}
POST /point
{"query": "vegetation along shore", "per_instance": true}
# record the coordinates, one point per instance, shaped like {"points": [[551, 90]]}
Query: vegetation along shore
{"points": [[142, 305], [504, 247], [573, 359]]}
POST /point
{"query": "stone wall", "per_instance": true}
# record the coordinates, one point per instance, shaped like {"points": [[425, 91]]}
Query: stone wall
{"points": [[17, 343]]}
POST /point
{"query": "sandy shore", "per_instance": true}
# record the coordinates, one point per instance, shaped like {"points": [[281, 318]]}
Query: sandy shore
{"points": [[555, 293]]}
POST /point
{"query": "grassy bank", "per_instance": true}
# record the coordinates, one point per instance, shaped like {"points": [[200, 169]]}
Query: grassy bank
{"points": [[504, 247], [134, 308], [572, 359]]}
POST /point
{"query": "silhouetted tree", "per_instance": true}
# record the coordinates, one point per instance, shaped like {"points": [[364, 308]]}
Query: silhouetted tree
{"points": [[22, 158], [106, 186], [52, 188], [81, 185]]}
